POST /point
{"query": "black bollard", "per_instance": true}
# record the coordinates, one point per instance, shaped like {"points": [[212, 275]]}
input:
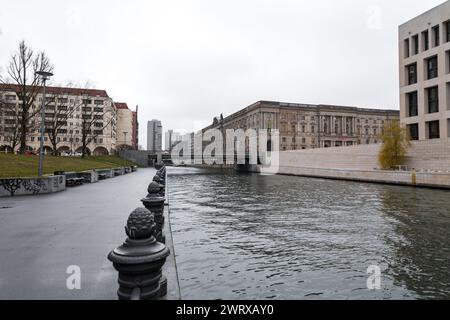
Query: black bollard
{"points": [[154, 202], [140, 259]]}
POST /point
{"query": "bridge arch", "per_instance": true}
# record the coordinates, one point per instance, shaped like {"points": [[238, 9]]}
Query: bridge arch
{"points": [[63, 149], [7, 149], [100, 151], [80, 150]]}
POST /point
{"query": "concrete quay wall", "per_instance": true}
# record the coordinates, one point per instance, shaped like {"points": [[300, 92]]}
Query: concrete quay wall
{"points": [[422, 156], [428, 161], [407, 178], [32, 186]]}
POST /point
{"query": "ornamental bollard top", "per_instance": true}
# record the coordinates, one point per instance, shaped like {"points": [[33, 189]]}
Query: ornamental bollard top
{"points": [[155, 203], [161, 182], [140, 259]]}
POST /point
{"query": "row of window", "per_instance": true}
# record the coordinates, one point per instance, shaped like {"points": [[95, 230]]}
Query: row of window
{"points": [[432, 128], [431, 101], [13, 97], [432, 72], [412, 45], [59, 139]]}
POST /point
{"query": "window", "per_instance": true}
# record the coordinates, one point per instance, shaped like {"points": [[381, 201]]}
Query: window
{"points": [[406, 44], [433, 130], [447, 62], [436, 38], [413, 130], [432, 67], [412, 73], [412, 104], [313, 129], [433, 99], [447, 31], [415, 44], [425, 40]]}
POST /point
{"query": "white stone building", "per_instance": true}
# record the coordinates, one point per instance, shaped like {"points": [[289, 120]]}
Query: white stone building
{"points": [[424, 59]]}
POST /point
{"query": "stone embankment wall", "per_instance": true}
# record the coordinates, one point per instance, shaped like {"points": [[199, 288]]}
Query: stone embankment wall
{"points": [[32, 186], [428, 162], [423, 155], [50, 184]]}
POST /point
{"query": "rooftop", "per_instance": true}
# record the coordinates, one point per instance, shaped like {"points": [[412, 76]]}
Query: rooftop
{"points": [[59, 90], [121, 105]]}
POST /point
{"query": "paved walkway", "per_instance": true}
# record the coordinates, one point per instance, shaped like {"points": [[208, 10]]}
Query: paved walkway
{"points": [[40, 236]]}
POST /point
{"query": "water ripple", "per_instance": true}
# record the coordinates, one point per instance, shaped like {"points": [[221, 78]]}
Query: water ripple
{"points": [[275, 237]]}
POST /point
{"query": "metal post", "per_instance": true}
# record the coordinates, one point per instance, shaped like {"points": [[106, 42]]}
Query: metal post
{"points": [[41, 150]]}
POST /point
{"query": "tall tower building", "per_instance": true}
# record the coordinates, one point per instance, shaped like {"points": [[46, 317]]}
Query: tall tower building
{"points": [[154, 136]]}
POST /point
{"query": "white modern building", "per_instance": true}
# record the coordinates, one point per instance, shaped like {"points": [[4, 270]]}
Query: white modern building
{"points": [[154, 136], [171, 138], [424, 46]]}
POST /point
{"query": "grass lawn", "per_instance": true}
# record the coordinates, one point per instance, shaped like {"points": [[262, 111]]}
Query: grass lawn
{"points": [[27, 166]]}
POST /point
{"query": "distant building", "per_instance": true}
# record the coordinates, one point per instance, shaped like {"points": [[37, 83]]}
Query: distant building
{"points": [[424, 55], [127, 127], [70, 107], [135, 127], [305, 126], [171, 139], [154, 136]]}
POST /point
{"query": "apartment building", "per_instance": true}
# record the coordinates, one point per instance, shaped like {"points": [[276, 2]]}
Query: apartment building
{"points": [[424, 60], [306, 126], [67, 112]]}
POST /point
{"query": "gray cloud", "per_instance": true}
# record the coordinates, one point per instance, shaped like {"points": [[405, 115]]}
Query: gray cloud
{"points": [[185, 61]]}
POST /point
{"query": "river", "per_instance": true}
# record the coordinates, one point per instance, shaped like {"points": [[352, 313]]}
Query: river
{"points": [[250, 236]]}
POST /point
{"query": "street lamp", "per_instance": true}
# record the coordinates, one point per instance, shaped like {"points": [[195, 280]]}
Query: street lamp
{"points": [[125, 138], [44, 75], [124, 144]]}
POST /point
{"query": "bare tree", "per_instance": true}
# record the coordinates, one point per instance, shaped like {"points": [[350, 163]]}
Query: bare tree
{"points": [[21, 72], [12, 115], [57, 118], [93, 121]]}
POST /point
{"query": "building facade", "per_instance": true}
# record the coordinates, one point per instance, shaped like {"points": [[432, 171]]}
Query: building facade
{"points": [[135, 126], [154, 136], [424, 47], [127, 127], [67, 112], [171, 139], [304, 126]]}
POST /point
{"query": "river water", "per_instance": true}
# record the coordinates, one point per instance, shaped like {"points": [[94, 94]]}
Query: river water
{"points": [[249, 236]]}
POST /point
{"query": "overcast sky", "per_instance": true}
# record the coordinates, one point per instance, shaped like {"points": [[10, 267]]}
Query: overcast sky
{"points": [[184, 62]]}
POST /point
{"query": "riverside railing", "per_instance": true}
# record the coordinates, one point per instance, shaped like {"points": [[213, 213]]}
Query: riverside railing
{"points": [[139, 260]]}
